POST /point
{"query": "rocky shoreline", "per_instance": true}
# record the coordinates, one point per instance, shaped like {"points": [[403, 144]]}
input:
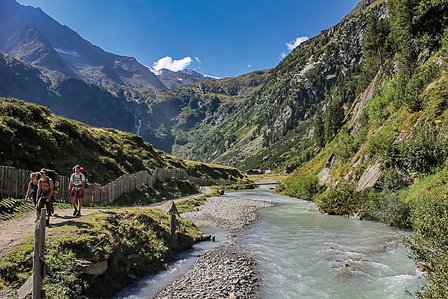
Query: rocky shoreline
{"points": [[226, 271]]}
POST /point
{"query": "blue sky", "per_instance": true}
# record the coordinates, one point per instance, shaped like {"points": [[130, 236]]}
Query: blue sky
{"points": [[215, 37]]}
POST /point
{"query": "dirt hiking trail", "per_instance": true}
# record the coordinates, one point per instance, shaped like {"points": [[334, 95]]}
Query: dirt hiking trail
{"points": [[15, 231]]}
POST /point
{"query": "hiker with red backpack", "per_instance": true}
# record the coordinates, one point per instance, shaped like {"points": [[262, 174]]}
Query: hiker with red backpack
{"points": [[76, 189]]}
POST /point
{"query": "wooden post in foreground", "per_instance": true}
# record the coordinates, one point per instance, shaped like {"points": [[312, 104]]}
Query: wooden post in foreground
{"points": [[39, 248], [173, 212]]}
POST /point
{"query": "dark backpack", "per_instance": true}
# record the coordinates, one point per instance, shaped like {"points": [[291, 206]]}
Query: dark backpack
{"points": [[54, 176], [86, 176]]}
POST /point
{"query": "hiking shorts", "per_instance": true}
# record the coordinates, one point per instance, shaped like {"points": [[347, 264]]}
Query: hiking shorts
{"points": [[44, 202], [79, 192]]}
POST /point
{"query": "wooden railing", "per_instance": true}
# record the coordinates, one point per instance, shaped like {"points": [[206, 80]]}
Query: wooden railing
{"points": [[14, 183]]}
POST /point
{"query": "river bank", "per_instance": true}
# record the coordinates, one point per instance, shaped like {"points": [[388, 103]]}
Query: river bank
{"points": [[228, 270]]}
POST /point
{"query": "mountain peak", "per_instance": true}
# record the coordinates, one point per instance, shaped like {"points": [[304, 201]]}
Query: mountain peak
{"points": [[75, 56], [174, 79]]}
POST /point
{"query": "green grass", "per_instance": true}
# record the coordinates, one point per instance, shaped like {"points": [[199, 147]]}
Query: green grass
{"points": [[135, 241], [191, 204], [12, 208], [162, 190]]}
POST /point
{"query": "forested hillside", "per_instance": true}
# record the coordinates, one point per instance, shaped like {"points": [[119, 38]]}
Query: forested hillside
{"points": [[388, 159], [183, 120], [31, 137]]}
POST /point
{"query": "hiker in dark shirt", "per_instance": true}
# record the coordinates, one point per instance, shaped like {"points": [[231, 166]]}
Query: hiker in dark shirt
{"points": [[31, 192], [44, 194]]}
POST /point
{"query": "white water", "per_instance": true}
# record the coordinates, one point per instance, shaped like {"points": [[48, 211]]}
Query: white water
{"points": [[301, 253], [138, 125]]}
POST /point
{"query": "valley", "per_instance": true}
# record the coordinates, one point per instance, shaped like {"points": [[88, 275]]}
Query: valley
{"points": [[352, 121]]}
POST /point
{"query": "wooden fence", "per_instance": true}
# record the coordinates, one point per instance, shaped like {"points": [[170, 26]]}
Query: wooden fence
{"points": [[14, 182]]}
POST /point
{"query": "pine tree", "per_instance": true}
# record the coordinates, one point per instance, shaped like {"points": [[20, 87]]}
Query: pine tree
{"points": [[334, 116], [376, 45], [319, 130]]}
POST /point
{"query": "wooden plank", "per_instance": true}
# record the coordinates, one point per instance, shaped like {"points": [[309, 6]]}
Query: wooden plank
{"points": [[9, 181], [16, 182], [26, 288], [26, 179], [1, 181]]}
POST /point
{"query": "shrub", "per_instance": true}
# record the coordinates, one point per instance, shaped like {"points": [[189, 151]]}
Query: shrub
{"points": [[429, 245], [382, 145], [338, 200], [424, 150], [387, 208], [393, 180], [303, 186]]}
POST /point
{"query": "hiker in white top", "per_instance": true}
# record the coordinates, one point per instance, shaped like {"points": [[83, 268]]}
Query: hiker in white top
{"points": [[76, 189]]}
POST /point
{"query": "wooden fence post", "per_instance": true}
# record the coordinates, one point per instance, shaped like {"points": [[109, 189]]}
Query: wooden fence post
{"points": [[39, 250], [173, 222]]}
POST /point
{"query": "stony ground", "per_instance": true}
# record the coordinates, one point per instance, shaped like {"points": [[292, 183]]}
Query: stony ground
{"points": [[226, 271], [229, 214]]}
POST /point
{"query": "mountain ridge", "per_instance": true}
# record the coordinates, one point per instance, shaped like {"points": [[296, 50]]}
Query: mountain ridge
{"points": [[72, 55], [173, 80]]}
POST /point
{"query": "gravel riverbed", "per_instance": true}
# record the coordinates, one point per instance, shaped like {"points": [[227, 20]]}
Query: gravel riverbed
{"points": [[226, 271]]}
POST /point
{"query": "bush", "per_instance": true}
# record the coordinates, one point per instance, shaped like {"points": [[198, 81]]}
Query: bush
{"points": [[382, 145], [393, 180], [424, 150], [303, 186], [348, 145], [338, 200], [428, 198], [387, 208], [429, 245]]}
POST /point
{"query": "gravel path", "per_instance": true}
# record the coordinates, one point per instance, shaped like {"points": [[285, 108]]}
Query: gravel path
{"points": [[226, 271]]}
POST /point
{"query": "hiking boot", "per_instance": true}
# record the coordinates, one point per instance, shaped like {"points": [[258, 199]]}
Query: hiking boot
{"points": [[78, 214], [75, 213]]}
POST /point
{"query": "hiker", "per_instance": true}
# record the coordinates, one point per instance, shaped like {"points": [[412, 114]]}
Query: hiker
{"points": [[76, 189], [45, 194], [54, 176], [31, 192]]}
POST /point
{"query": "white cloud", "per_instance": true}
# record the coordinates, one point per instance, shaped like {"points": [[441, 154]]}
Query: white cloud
{"points": [[293, 44], [198, 60], [171, 64], [249, 65]]}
